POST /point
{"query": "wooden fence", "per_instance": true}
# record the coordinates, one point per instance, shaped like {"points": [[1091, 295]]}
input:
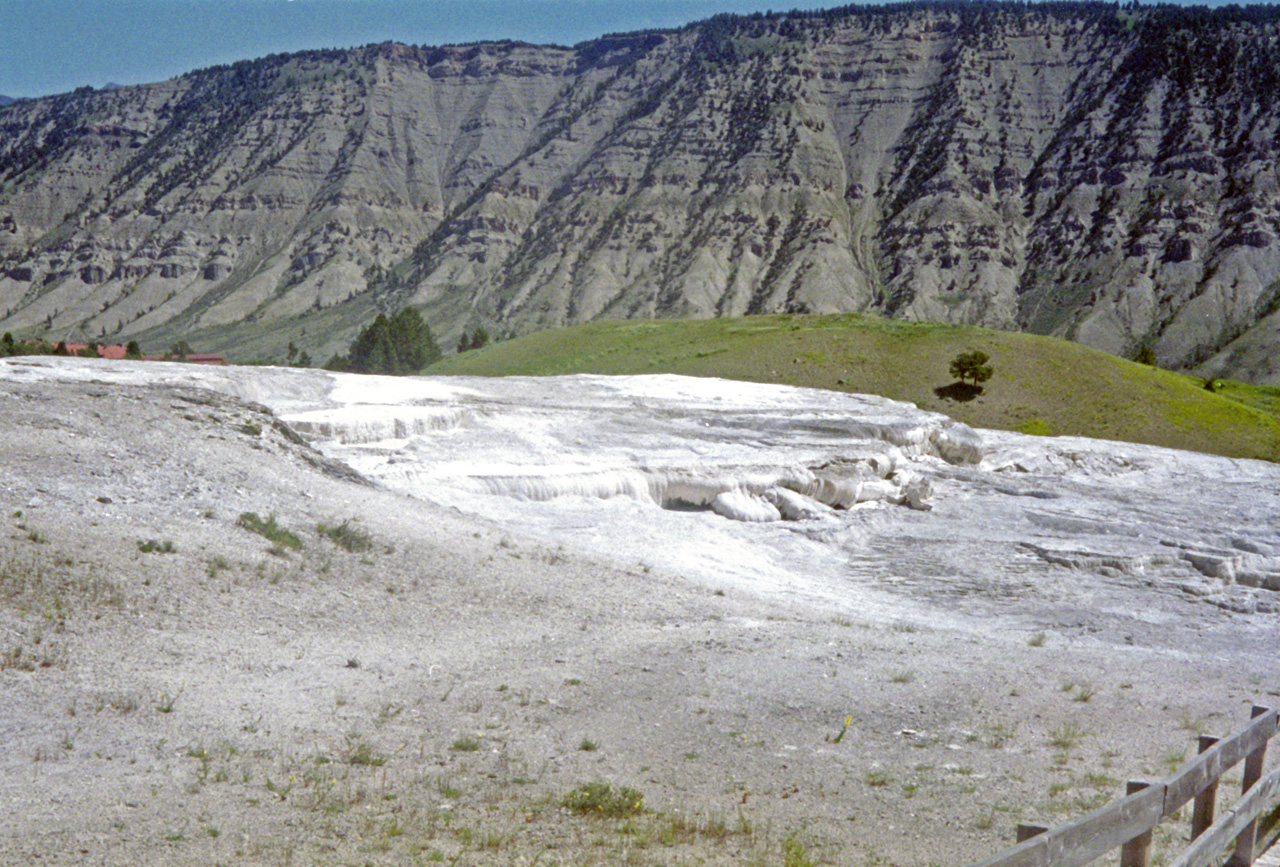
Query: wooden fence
{"points": [[1129, 822]]}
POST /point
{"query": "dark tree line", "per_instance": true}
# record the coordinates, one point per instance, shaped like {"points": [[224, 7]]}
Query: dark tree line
{"points": [[398, 346], [10, 346], [476, 340]]}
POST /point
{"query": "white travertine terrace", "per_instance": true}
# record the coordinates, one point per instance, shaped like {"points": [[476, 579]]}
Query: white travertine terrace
{"points": [[782, 490]]}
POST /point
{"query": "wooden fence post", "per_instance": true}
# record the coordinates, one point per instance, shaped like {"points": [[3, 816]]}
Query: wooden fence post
{"points": [[1136, 852], [1206, 805], [1244, 853], [1026, 831], [1130, 822]]}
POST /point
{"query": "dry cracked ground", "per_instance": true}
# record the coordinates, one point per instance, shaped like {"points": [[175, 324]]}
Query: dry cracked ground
{"points": [[182, 685]]}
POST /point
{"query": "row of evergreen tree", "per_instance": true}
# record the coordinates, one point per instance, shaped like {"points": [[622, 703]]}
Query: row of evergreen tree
{"points": [[9, 346], [399, 345]]}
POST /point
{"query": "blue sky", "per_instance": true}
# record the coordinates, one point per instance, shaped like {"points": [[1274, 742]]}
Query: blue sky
{"points": [[52, 46]]}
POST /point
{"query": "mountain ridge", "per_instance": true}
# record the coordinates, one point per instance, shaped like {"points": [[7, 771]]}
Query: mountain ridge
{"points": [[1079, 170]]}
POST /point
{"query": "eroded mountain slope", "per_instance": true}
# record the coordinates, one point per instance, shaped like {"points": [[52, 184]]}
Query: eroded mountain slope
{"points": [[1105, 175]]}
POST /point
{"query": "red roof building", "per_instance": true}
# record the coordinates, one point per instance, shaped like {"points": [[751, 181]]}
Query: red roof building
{"points": [[117, 352]]}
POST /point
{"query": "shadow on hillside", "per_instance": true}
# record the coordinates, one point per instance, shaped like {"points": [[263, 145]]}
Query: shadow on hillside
{"points": [[958, 391]]}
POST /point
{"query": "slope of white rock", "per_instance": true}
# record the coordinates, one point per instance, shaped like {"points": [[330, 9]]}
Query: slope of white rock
{"points": [[864, 504]]}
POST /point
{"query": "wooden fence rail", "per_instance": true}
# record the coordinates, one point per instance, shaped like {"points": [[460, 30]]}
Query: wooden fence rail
{"points": [[1129, 822]]}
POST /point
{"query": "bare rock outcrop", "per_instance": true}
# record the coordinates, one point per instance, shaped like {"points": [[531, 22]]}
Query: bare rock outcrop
{"points": [[1100, 174]]}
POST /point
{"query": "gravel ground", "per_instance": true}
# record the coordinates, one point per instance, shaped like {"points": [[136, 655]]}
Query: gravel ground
{"points": [[177, 689]]}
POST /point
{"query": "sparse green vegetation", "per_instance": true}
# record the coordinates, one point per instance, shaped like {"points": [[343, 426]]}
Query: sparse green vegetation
{"points": [[347, 536], [155, 546], [1036, 427], [361, 752], [56, 587], [1083, 692], [1067, 735], [270, 530], [166, 702], [996, 735], [122, 703], [466, 744], [1197, 725], [601, 800], [36, 654], [1110, 398], [794, 853], [1173, 760], [848, 721]]}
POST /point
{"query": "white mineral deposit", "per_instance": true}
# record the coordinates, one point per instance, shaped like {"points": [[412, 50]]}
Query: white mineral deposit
{"points": [[685, 586]]}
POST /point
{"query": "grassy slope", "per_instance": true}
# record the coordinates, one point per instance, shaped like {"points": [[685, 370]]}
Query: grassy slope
{"points": [[1041, 385], [323, 333]]}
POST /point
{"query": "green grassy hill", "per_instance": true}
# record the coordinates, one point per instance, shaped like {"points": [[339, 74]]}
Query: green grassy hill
{"points": [[1040, 386]]}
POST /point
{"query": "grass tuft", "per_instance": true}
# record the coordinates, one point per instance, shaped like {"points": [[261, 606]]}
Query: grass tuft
{"points": [[270, 530], [601, 800], [361, 752], [347, 537], [166, 703], [466, 744], [794, 853], [1067, 735]]}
